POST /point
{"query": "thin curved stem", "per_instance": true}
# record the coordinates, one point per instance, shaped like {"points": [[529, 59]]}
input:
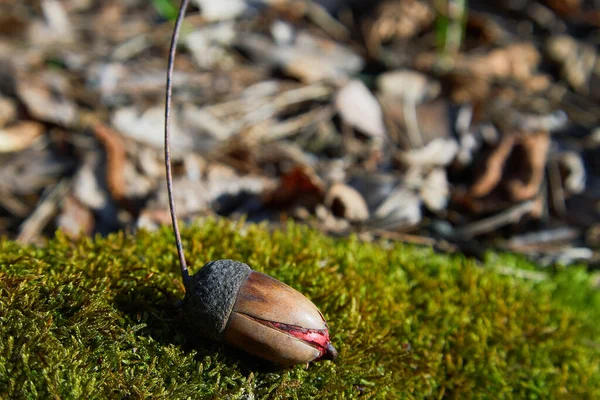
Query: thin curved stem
{"points": [[172, 51]]}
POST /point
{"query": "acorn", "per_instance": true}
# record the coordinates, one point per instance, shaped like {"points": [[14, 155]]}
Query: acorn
{"points": [[228, 301]]}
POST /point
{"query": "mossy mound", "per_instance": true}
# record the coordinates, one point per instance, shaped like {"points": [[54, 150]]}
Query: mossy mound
{"points": [[97, 319]]}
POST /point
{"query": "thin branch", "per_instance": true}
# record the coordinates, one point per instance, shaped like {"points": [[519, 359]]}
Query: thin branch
{"points": [[486, 225], [172, 50]]}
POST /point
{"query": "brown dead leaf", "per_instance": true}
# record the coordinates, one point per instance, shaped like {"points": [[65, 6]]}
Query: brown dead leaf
{"points": [[494, 165], [300, 185], [115, 160], [517, 164], [527, 184]]}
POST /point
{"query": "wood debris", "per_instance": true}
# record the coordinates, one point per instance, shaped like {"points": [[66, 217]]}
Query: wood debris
{"points": [[458, 127]]}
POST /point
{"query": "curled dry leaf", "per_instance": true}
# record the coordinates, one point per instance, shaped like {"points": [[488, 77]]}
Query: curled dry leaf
{"points": [[360, 109], [522, 170], [346, 202], [20, 136], [115, 160], [528, 180], [492, 170]]}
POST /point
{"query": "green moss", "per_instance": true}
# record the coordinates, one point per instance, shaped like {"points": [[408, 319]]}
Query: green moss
{"points": [[97, 319]]}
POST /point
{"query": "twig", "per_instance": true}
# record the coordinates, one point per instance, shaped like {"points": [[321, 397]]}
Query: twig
{"points": [[325, 21], [47, 207], [492, 223], [292, 126], [12, 204], [169, 92], [557, 192], [546, 237]]}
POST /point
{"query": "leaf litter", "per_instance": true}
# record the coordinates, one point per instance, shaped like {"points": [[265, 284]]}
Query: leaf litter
{"points": [[412, 120]]}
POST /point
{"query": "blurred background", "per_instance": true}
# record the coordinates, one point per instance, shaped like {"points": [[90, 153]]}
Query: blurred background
{"points": [[462, 125]]}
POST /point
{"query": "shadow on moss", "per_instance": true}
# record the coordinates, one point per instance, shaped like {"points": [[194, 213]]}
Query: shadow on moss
{"points": [[98, 319]]}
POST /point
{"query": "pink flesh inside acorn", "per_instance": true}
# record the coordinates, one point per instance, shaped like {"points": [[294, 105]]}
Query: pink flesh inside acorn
{"points": [[318, 338]]}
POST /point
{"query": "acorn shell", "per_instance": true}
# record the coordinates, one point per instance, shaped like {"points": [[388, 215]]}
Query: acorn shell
{"points": [[228, 301], [262, 301]]}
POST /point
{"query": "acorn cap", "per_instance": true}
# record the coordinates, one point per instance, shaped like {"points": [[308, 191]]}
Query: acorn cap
{"points": [[211, 295]]}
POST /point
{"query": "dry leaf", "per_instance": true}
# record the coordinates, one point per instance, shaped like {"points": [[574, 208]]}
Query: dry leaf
{"points": [[408, 85], [8, 111], [219, 10], [401, 209], [20, 136], [47, 102], [360, 109], [529, 178], [434, 190], [439, 152], [308, 58], [299, 185], [148, 127], [346, 202], [492, 171]]}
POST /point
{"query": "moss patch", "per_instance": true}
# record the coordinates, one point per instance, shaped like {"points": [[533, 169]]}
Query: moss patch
{"points": [[97, 319]]}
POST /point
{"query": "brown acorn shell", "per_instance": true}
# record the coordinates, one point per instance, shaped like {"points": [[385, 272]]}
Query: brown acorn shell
{"points": [[266, 342], [266, 298]]}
